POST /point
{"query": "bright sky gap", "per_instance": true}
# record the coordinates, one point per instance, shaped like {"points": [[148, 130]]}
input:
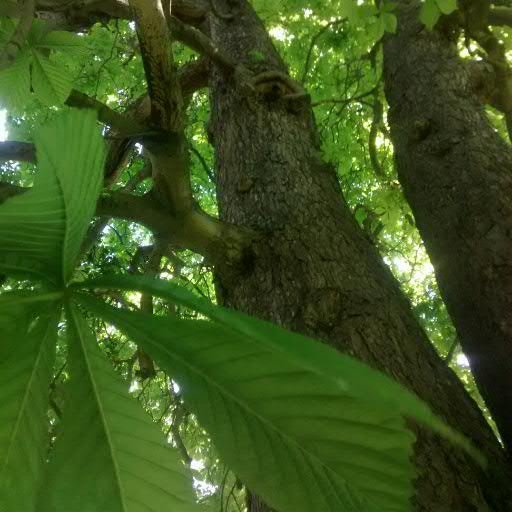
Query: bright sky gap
{"points": [[3, 128]]}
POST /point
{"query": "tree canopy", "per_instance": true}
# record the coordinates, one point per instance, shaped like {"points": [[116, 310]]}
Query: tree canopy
{"points": [[111, 240]]}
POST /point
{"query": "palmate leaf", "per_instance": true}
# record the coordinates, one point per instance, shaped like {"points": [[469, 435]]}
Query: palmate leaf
{"points": [[27, 348], [305, 427], [41, 230], [110, 456], [332, 419], [379, 389], [301, 441]]}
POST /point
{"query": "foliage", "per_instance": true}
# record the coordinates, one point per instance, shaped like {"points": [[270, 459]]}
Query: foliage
{"points": [[247, 381], [41, 233]]}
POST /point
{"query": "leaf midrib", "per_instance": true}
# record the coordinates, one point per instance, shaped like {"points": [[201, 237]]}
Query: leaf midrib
{"points": [[101, 411]]}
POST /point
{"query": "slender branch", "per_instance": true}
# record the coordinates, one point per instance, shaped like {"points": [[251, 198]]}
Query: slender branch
{"points": [[197, 231], [152, 269], [312, 44], [344, 101], [125, 126], [372, 137], [176, 422], [500, 17], [201, 43], [203, 163]]}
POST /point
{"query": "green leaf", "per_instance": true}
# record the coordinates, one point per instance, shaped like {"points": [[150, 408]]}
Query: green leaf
{"points": [[27, 352], [377, 28], [27, 297], [38, 31], [301, 437], [349, 8], [15, 83], [63, 41], [378, 388], [110, 455], [42, 229], [388, 6], [390, 22], [447, 6], [51, 82], [429, 14]]}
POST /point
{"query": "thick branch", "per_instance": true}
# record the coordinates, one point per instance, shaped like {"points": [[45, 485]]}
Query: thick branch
{"points": [[163, 85], [7, 190], [18, 151], [195, 230], [500, 16], [201, 43], [193, 77]]}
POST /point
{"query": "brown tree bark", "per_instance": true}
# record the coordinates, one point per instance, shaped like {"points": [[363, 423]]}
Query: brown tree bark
{"points": [[316, 273], [456, 173]]}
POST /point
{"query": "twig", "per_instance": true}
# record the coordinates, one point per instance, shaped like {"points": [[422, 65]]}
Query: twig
{"points": [[314, 40]]}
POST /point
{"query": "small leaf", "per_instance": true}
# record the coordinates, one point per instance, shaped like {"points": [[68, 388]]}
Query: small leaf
{"points": [[26, 361], [390, 22], [63, 41], [37, 32], [110, 455], [389, 6], [51, 82], [447, 6], [349, 8], [429, 14]]}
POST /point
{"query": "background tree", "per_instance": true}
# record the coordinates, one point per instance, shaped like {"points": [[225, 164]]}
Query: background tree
{"points": [[290, 251], [455, 170]]}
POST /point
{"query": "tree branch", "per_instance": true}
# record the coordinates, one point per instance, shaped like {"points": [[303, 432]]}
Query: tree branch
{"points": [[197, 231], [17, 151], [201, 43], [344, 101], [163, 85], [7, 190], [125, 126], [312, 44]]}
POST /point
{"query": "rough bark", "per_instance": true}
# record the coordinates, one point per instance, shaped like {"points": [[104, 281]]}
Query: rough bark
{"points": [[456, 172], [316, 273]]}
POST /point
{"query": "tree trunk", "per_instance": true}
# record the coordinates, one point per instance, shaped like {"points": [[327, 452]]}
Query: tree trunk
{"points": [[456, 172], [316, 273]]}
